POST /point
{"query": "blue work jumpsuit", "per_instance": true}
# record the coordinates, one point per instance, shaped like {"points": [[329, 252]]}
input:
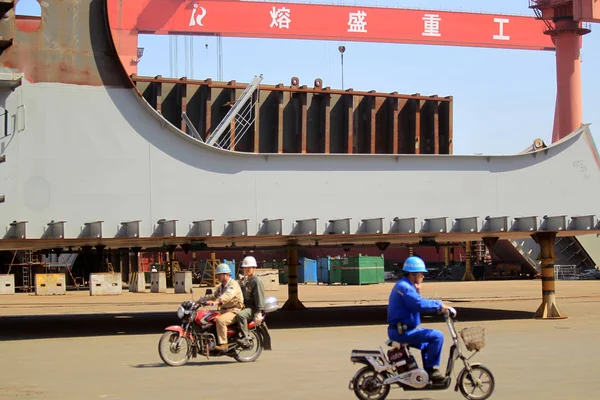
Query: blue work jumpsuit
{"points": [[405, 306]]}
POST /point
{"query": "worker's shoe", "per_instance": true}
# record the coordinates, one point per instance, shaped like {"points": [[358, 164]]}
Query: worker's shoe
{"points": [[435, 375], [222, 347]]}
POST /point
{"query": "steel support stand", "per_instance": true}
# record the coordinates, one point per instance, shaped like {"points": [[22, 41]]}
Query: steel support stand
{"points": [[293, 303], [468, 276], [446, 256], [548, 309]]}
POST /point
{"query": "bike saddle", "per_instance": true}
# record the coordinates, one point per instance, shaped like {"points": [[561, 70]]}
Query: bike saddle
{"points": [[397, 345]]}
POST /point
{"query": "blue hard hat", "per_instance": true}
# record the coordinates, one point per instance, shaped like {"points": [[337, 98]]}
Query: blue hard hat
{"points": [[223, 269], [414, 264]]}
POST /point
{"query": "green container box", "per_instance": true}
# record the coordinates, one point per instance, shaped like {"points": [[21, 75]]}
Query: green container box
{"points": [[364, 261], [283, 273], [363, 270], [278, 265], [335, 271]]}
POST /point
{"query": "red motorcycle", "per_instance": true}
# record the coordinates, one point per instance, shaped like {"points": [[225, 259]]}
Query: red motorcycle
{"points": [[197, 336]]}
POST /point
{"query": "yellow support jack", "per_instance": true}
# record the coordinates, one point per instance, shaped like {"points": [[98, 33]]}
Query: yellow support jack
{"points": [[293, 303], [468, 276], [548, 309]]}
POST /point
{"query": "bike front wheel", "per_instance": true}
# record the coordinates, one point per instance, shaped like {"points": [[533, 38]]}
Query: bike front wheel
{"points": [[173, 349], [479, 385]]}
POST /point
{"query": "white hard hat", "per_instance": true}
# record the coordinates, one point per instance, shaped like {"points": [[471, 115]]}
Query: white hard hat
{"points": [[249, 262]]}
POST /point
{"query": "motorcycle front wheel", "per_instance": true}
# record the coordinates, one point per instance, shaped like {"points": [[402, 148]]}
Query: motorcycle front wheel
{"points": [[479, 385], [252, 353], [368, 385], [173, 349]]}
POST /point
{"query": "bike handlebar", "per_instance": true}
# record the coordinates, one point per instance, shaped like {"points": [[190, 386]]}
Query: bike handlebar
{"points": [[451, 311], [198, 304]]}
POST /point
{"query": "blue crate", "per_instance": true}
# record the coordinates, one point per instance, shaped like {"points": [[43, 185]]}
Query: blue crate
{"points": [[307, 271], [323, 266]]}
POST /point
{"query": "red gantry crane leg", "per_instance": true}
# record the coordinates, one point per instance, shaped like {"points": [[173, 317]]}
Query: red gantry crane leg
{"points": [[564, 20]]}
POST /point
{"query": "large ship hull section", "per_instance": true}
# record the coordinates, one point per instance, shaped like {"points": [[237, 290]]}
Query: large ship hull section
{"points": [[103, 154]]}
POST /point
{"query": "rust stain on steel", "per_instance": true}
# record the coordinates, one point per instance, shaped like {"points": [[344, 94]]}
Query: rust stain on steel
{"points": [[184, 101], [417, 132], [280, 123], [373, 123], [350, 125], [395, 116], [450, 124], [208, 119], [436, 126], [159, 96], [327, 122], [303, 100], [71, 45]]}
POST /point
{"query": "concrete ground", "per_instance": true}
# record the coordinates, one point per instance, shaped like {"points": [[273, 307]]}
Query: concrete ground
{"points": [[111, 353], [80, 302]]}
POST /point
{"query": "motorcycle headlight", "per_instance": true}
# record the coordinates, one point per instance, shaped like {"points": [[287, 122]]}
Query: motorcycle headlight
{"points": [[180, 312]]}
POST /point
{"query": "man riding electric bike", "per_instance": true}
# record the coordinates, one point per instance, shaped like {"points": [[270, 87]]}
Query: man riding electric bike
{"points": [[404, 316]]}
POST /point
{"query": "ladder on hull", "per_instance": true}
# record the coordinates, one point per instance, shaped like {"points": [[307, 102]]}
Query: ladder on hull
{"points": [[242, 112]]}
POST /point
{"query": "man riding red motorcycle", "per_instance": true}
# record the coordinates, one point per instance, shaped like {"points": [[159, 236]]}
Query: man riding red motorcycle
{"points": [[254, 297], [228, 295]]}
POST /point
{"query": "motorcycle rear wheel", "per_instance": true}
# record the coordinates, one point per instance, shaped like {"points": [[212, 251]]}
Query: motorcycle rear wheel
{"points": [[167, 348], [368, 385], [256, 341], [469, 389]]}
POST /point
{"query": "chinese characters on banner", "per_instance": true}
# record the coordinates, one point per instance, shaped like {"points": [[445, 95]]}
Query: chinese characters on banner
{"points": [[431, 25], [501, 35], [280, 18], [330, 22], [356, 22]]}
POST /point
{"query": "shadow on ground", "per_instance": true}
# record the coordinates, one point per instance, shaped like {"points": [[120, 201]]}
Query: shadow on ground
{"points": [[188, 364], [57, 326]]}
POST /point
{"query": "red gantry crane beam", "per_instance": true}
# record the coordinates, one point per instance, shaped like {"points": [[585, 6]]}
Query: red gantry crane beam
{"points": [[318, 22]]}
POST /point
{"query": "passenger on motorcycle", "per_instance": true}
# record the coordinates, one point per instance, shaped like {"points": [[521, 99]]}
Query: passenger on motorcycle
{"points": [[404, 316], [254, 296], [229, 297]]}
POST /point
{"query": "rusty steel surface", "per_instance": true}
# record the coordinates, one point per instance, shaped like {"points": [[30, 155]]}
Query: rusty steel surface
{"points": [[69, 43], [299, 119]]}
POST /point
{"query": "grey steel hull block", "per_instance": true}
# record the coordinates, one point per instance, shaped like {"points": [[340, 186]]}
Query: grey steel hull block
{"points": [[102, 164]]}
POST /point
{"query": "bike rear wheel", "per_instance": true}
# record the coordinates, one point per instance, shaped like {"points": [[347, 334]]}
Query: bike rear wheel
{"points": [[477, 386], [173, 349], [253, 352], [368, 385]]}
